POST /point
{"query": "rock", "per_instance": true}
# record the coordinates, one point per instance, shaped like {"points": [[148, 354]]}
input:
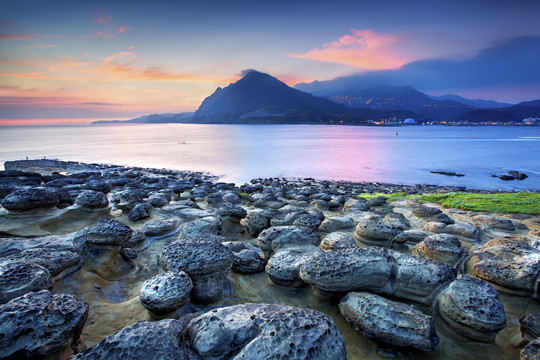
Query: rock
{"points": [[235, 212], [59, 263], [156, 340], [443, 218], [265, 331], [40, 323], [472, 308], [423, 211], [506, 177], [98, 185], [74, 242], [410, 236], [207, 263], [355, 205], [128, 254], [160, 227], [464, 230], [336, 223], [166, 292], [20, 277], [108, 232], [283, 268], [512, 265], [388, 321], [377, 201], [157, 201], [30, 198], [91, 199], [448, 173], [200, 227], [445, 248], [257, 220], [494, 222], [376, 232], [307, 220], [141, 211], [127, 199], [336, 241], [245, 260], [531, 351], [398, 220], [279, 237], [530, 326]]}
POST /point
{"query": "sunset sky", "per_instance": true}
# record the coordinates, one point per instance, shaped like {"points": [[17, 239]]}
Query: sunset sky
{"points": [[83, 60]]}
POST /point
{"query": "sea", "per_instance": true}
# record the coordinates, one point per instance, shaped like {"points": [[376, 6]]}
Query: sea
{"points": [[239, 153]]}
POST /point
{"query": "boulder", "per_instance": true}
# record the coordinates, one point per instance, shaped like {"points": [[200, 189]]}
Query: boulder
{"points": [[355, 205], [40, 323], [245, 260], [336, 223], [472, 308], [20, 277], [464, 230], [141, 211], [156, 340], [206, 261], [59, 263], [529, 326], [279, 237], [108, 232], [398, 220], [200, 227], [91, 199], [336, 241], [283, 267], [423, 211], [388, 321], [234, 212], [160, 227], [377, 201], [166, 292], [410, 236], [445, 248], [494, 222], [257, 220], [265, 331], [307, 220], [531, 351], [376, 232], [30, 198]]}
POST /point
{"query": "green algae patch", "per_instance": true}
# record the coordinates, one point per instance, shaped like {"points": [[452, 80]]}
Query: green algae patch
{"points": [[243, 194], [393, 196], [522, 202]]}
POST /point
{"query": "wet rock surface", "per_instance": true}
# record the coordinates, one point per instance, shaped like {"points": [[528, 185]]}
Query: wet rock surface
{"points": [[166, 292], [19, 277]]}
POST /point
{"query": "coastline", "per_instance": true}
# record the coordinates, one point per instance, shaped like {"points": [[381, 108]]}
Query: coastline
{"points": [[160, 207]]}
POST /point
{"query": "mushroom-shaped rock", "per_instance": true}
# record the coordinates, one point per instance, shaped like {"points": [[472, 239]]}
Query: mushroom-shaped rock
{"points": [[397, 219], [531, 351], [307, 220], [141, 211], [266, 331], [20, 277], [376, 232], [511, 265], [464, 230], [202, 226], [388, 321], [355, 205], [337, 240], [410, 236], [108, 232], [257, 220], [59, 263], [234, 212], [156, 340], [445, 248], [91, 199], [472, 308], [530, 326], [246, 260], [160, 227], [283, 268], [336, 223], [40, 323], [30, 198], [166, 292], [207, 263], [424, 211], [494, 222], [377, 201], [279, 237]]}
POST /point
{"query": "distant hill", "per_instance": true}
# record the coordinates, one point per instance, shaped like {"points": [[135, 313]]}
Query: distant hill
{"points": [[515, 113], [477, 103], [151, 119], [401, 98]]}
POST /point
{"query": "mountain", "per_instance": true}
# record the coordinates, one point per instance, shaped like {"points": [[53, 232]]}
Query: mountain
{"points": [[401, 98], [514, 113], [477, 103], [151, 119], [260, 98]]}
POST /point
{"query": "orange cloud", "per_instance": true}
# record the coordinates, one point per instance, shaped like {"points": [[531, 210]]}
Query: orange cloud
{"points": [[102, 16], [364, 49], [123, 29]]}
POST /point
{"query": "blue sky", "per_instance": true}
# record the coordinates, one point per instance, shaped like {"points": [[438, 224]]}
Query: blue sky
{"points": [[121, 59]]}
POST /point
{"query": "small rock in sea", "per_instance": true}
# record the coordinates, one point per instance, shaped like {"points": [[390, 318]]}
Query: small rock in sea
{"points": [[423, 211], [518, 175], [166, 292], [448, 173], [507, 177], [389, 321], [376, 232], [336, 223]]}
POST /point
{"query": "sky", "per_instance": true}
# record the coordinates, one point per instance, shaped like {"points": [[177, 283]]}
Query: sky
{"points": [[77, 61]]}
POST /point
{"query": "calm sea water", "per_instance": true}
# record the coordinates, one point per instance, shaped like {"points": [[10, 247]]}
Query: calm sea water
{"points": [[239, 153]]}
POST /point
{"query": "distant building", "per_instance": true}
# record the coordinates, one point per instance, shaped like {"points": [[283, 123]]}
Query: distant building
{"points": [[531, 121], [409, 121]]}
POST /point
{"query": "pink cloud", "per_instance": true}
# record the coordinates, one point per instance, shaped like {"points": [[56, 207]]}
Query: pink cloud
{"points": [[100, 33], [364, 49], [43, 46], [103, 15], [123, 29]]}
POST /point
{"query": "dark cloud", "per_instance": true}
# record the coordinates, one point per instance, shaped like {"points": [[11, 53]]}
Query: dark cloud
{"points": [[511, 63]]}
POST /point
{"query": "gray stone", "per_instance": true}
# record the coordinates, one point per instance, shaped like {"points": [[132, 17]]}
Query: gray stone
{"points": [[410, 236], [59, 263], [257, 220], [307, 220], [266, 331], [30, 198], [531, 351], [91, 199], [423, 211], [235, 212], [201, 227], [398, 220], [128, 254], [336, 223], [464, 230], [279, 237], [355, 205], [472, 308], [206, 261], [246, 260], [156, 340], [377, 201], [166, 292], [20, 277], [108, 232], [283, 267], [376, 232], [160, 227], [529, 326], [445, 248], [40, 323], [494, 222], [388, 321], [141, 211], [336, 241]]}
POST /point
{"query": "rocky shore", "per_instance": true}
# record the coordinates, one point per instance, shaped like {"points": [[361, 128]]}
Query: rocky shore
{"points": [[110, 262]]}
